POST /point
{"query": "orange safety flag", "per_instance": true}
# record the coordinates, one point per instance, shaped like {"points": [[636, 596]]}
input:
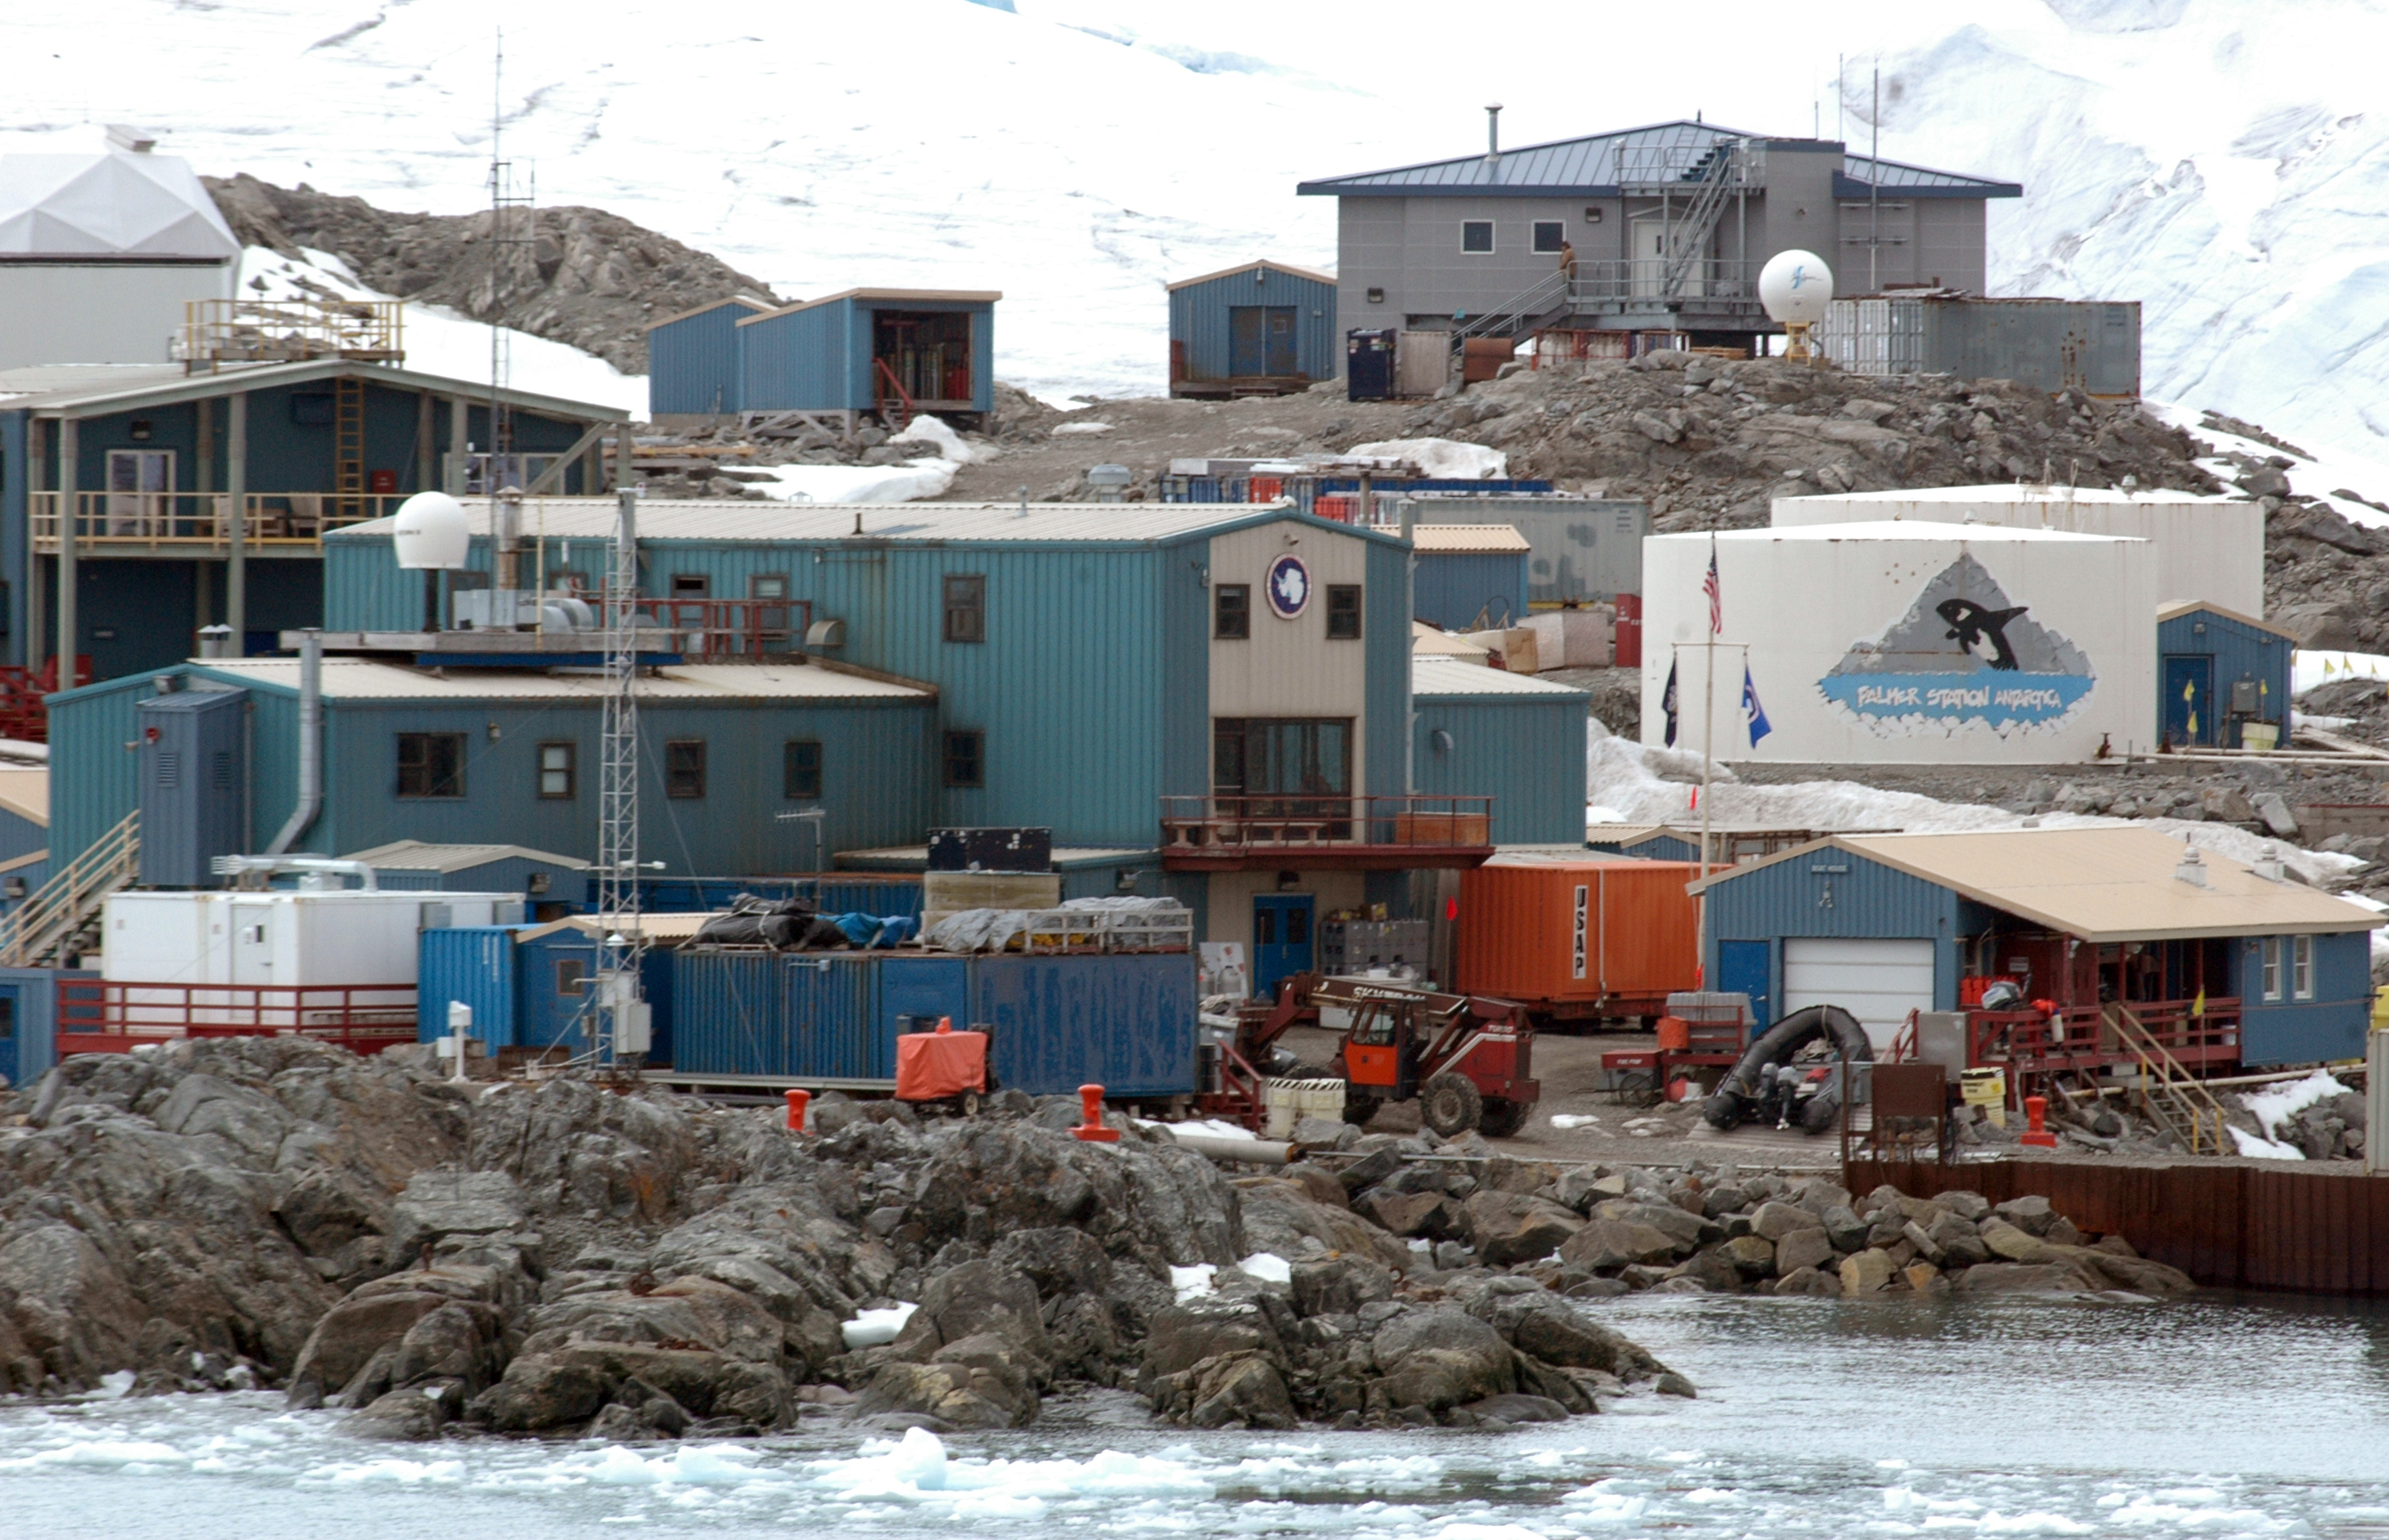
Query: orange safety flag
{"points": [[932, 1065]]}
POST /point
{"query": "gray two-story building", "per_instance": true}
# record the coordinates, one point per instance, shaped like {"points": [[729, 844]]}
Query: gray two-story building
{"points": [[1655, 229]]}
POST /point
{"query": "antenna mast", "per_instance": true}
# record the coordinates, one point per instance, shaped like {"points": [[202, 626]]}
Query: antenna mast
{"points": [[503, 199], [622, 1015]]}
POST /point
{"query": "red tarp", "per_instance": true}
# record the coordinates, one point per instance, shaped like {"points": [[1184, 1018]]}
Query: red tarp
{"points": [[945, 1063]]}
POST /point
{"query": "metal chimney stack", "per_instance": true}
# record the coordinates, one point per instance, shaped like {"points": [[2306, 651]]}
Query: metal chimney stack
{"points": [[1492, 132]]}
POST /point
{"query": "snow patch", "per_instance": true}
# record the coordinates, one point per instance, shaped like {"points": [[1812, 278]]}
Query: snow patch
{"points": [[1267, 1266], [1089, 429], [1442, 459], [2274, 1106], [1191, 1282], [871, 1328]]}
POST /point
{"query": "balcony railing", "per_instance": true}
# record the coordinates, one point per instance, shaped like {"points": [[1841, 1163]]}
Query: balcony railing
{"points": [[1229, 831], [2076, 1039], [200, 523], [108, 1016], [253, 330], [1603, 283]]}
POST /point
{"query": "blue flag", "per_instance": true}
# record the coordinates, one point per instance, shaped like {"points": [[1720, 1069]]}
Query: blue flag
{"points": [[1750, 710], [1668, 703]]}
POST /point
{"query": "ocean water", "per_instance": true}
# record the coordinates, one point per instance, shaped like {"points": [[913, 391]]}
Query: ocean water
{"points": [[2220, 1417]]}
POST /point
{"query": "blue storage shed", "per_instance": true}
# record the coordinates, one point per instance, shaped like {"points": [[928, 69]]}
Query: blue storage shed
{"points": [[1460, 572], [693, 359], [1484, 731], [416, 866], [889, 350], [527, 986], [28, 1016], [2257, 969], [2218, 672], [1125, 1020], [1260, 327]]}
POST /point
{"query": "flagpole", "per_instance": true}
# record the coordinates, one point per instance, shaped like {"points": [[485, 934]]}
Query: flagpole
{"points": [[1709, 765]]}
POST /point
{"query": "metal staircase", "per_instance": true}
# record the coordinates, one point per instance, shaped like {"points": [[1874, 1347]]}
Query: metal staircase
{"points": [[2169, 1096], [1518, 313], [63, 915], [1688, 243]]}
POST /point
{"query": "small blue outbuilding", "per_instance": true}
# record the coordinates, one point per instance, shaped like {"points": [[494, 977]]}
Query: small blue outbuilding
{"points": [[1477, 729], [1254, 329], [1466, 575], [2219, 673], [888, 351], [693, 368]]}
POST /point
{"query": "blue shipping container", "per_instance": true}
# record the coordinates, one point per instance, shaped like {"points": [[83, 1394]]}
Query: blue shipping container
{"points": [[1123, 1021], [29, 1014]]}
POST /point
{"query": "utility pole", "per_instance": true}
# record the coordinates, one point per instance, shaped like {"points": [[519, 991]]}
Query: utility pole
{"points": [[621, 1016]]}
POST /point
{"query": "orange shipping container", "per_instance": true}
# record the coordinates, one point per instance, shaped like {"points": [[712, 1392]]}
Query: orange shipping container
{"points": [[1577, 938]]}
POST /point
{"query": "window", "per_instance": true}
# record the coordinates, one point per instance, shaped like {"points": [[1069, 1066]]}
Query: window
{"points": [[966, 759], [555, 766], [1549, 235], [1267, 756], [684, 768], [1231, 611], [691, 585], [801, 769], [770, 617], [966, 608], [1476, 234], [430, 764], [572, 976], [1343, 611], [1376, 296], [2272, 967], [2302, 967]]}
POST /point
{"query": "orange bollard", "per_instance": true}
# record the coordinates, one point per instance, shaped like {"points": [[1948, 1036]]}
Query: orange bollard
{"points": [[2036, 1113], [1091, 1098], [796, 1100]]}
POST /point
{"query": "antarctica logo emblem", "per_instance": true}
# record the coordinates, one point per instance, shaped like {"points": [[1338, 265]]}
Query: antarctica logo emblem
{"points": [[1288, 587], [1963, 653]]}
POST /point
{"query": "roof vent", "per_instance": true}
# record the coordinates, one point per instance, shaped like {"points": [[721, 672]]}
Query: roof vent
{"points": [[2191, 870], [132, 141], [2272, 869], [1492, 132]]}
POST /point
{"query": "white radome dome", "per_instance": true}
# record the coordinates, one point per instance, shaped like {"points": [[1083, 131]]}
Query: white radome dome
{"points": [[432, 533], [1795, 286]]}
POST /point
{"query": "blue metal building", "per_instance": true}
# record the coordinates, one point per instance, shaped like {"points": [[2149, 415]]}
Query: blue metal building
{"points": [[527, 987], [1252, 329], [1465, 571], [327, 442], [2218, 672], [1882, 924], [694, 360], [873, 349], [28, 1015], [1474, 723], [412, 865], [498, 757]]}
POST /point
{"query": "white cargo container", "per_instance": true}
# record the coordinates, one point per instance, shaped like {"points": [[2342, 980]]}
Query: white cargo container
{"points": [[2209, 549], [281, 936], [1905, 643]]}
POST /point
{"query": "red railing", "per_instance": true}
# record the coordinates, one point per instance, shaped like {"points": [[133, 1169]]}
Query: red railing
{"points": [[113, 1017], [2075, 1039], [24, 714], [1293, 823], [717, 628]]}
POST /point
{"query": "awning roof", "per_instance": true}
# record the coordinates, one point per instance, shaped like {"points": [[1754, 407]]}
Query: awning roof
{"points": [[414, 854], [2100, 883], [90, 390], [1312, 273]]}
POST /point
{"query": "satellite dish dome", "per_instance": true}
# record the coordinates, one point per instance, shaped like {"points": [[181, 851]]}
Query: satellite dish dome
{"points": [[1796, 287], [431, 532]]}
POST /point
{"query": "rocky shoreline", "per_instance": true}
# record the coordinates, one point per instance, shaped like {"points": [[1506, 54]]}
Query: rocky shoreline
{"points": [[564, 1259]]}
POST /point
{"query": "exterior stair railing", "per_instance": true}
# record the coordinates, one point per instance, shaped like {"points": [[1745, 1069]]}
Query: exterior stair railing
{"points": [[60, 915]]}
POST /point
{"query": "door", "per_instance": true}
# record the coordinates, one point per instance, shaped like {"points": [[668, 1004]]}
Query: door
{"points": [[1281, 939], [1742, 969], [138, 482], [1248, 339], [252, 943], [9, 1052], [1877, 981], [1648, 272], [1280, 356], [2189, 697]]}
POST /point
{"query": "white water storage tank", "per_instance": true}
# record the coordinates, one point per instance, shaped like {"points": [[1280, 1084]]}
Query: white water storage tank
{"points": [[1905, 642], [2209, 550], [282, 936]]}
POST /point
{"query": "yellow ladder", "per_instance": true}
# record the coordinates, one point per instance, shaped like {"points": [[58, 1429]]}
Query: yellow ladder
{"points": [[349, 448]]}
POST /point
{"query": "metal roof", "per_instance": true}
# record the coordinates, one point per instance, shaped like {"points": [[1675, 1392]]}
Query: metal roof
{"points": [[1428, 641], [367, 679], [2100, 883], [1897, 529], [1312, 273], [2027, 493], [1654, 154], [915, 857], [90, 389], [749, 300], [26, 792], [714, 519], [109, 208], [2199, 606], [925, 295], [1496, 538], [414, 854], [1442, 678]]}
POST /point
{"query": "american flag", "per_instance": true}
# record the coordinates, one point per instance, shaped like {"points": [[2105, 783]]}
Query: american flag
{"points": [[1716, 599]]}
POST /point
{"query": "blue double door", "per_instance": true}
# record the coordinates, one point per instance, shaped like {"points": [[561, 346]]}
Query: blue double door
{"points": [[2188, 691], [1282, 939]]}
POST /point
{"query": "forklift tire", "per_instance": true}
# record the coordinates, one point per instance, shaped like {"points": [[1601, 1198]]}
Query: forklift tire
{"points": [[1502, 1118], [1359, 1110], [1450, 1106]]}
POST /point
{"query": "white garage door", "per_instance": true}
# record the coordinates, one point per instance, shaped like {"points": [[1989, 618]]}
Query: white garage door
{"points": [[1878, 982]]}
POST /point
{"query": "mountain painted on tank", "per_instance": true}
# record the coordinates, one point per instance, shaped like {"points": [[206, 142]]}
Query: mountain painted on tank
{"points": [[1963, 653]]}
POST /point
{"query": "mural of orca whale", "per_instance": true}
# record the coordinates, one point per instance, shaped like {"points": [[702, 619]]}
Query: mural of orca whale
{"points": [[1971, 625]]}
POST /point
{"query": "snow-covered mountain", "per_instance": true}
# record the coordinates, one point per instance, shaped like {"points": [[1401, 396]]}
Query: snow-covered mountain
{"points": [[2220, 161]]}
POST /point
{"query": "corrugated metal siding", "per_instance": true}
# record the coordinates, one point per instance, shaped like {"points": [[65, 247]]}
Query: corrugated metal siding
{"points": [[546, 1016], [2240, 651], [819, 359], [1200, 318], [693, 364], [1516, 937], [21, 836], [1186, 673], [1452, 589], [1834, 892], [1123, 1021], [2332, 1025], [512, 875], [1386, 620], [1583, 549], [474, 965], [99, 780], [762, 1013], [1525, 752], [36, 991], [2044, 344], [15, 463]]}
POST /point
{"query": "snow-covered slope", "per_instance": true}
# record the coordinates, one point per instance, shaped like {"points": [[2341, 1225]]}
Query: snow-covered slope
{"points": [[2219, 160]]}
